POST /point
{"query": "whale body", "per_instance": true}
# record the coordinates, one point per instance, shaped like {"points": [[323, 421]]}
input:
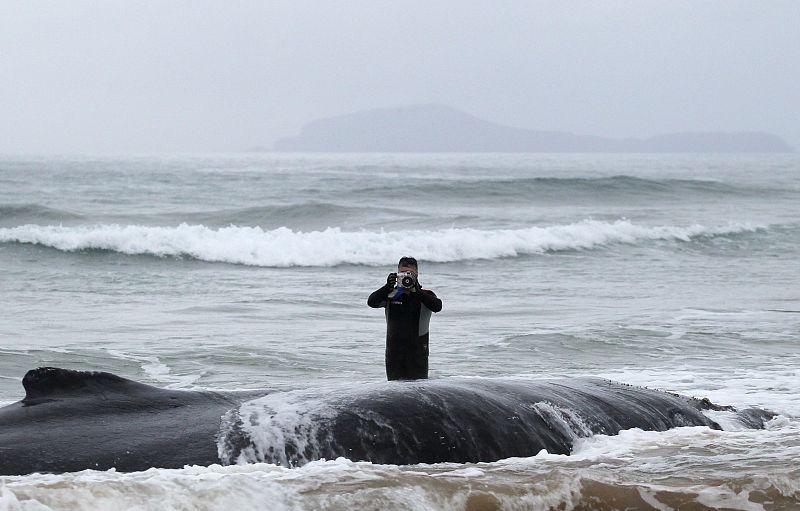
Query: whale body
{"points": [[75, 420], [462, 420]]}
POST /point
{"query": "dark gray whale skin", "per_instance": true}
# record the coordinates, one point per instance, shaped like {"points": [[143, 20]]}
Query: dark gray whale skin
{"points": [[74, 420], [462, 420]]}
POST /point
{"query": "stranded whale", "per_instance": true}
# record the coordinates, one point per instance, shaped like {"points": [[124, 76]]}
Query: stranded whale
{"points": [[74, 420]]}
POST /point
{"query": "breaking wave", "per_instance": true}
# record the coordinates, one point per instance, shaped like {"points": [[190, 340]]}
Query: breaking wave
{"points": [[285, 247], [542, 482]]}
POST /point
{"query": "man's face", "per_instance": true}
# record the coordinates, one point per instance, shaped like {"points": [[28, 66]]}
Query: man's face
{"points": [[406, 267]]}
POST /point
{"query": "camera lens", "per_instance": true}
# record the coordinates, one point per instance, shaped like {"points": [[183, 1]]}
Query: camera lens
{"points": [[407, 281]]}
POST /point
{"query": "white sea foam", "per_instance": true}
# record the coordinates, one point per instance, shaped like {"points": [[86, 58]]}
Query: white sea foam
{"points": [[332, 485], [771, 388], [568, 421], [284, 247], [277, 425], [610, 471]]}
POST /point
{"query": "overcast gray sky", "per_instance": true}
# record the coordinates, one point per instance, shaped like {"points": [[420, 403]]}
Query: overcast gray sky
{"points": [[193, 75]]}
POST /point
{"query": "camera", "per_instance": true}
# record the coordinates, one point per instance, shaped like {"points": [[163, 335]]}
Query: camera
{"points": [[406, 279]]}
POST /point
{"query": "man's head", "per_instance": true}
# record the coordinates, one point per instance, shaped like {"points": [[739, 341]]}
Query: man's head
{"points": [[408, 264]]}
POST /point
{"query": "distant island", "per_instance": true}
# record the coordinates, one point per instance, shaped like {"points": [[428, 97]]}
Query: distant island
{"points": [[437, 128]]}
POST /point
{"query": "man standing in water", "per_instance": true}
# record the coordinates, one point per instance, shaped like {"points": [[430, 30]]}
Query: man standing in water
{"points": [[408, 313]]}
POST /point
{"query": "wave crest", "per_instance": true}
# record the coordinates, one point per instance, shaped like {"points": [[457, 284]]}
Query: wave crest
{"points": [[284, 247]]}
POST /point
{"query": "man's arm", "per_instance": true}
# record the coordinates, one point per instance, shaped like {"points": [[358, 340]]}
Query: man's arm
{"points": [[378, 297], [430, 300]]}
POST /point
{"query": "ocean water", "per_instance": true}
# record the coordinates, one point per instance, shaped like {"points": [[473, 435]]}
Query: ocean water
{"points": [[252, 271]]}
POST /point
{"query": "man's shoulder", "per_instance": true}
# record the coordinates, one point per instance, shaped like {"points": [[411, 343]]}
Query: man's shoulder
{"points": [[428, 291]]}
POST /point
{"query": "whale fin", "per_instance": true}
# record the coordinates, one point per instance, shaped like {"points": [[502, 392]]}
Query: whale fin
{"points": [[44, 383], [755, 418]]}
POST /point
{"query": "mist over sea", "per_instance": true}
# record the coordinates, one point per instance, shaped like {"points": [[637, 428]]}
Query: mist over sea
{"points": [[676, 272]]}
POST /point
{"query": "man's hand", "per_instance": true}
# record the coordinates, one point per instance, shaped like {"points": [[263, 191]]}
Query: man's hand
{"points": [[417, 287], [391, 280]]}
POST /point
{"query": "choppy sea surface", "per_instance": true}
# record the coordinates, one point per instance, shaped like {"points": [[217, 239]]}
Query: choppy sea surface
{"points": [[252, 271]]}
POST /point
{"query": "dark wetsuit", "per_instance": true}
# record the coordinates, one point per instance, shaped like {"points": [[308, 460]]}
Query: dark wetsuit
{"points": [[407, 319]]}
